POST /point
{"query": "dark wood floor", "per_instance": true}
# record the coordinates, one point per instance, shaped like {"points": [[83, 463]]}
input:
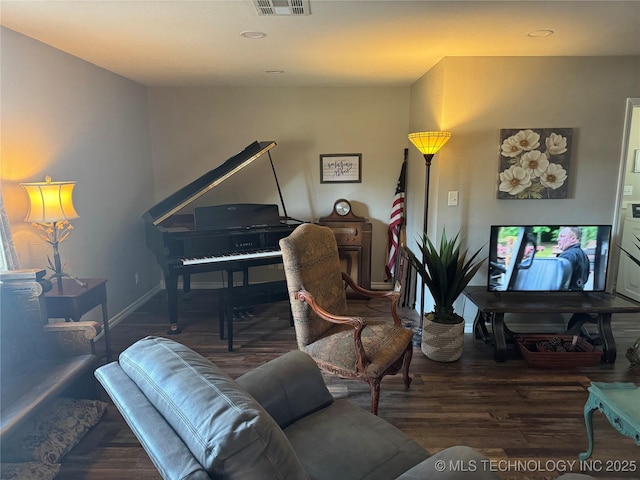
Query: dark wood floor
{"points": [[509, 411]]}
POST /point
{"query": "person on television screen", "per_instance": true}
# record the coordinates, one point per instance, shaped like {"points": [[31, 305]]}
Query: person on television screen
{"points": [[569, 243]]}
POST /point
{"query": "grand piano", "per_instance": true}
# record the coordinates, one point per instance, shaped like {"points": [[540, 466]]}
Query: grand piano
{"points": [[227, 238]]}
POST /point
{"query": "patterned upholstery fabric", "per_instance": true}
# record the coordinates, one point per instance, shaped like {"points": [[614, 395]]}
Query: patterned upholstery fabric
{"points": [[383, 344], [311, 263], [53, 432]]}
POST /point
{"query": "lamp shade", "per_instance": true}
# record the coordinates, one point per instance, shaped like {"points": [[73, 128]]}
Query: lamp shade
{"points": [[50, 201], [429, 142]]}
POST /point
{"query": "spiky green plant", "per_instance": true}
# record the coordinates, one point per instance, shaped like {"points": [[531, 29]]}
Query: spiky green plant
{"points": [[446, 271], [635, 259]]}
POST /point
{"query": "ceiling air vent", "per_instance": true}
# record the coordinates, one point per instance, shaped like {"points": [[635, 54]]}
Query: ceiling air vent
{"points": [[282, 7]]}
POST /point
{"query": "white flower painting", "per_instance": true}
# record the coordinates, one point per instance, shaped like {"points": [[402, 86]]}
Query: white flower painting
{"points": [[534, 163]]}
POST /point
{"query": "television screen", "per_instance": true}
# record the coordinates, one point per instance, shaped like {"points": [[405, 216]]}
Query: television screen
{"points": [[548, 258]]}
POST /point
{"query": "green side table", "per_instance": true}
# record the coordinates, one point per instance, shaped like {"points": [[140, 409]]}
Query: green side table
{"points": [[620, 403]]}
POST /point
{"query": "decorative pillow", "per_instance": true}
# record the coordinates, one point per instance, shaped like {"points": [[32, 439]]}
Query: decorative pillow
{"points": [[28, 471], [52, 433]]}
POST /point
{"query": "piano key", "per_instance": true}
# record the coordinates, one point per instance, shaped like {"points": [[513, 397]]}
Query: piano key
{"points": [[232, 257]]}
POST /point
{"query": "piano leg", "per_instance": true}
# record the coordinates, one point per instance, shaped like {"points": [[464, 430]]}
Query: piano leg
{"points": [[171, 282], [186, 286]]}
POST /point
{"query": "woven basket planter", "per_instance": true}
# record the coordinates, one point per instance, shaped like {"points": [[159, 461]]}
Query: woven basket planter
{"points": [[442, 342]]}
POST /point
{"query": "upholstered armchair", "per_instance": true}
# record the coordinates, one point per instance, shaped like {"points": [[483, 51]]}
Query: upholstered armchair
{"points": [[344, 345]]}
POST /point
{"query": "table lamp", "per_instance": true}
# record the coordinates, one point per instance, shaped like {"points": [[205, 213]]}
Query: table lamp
{"points": [[50, 209]]}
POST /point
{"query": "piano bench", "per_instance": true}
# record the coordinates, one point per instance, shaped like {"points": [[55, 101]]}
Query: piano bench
{"points": [[248, 296]]}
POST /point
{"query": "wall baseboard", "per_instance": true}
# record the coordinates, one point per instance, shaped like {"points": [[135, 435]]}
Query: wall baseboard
{"points": [[216, 285]]}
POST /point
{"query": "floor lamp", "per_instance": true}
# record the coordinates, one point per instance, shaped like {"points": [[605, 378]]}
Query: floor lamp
{"points": [[428, 143]]}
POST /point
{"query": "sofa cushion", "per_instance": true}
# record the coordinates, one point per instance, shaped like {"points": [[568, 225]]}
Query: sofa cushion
{"points": [[288, 387], [225, 428], [453, 463], [359, 444]]}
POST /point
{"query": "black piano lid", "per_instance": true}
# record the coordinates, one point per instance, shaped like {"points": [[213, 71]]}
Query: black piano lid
{"points": [[206, 182]]}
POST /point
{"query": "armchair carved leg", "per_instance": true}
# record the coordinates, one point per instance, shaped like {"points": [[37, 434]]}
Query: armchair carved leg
{"points": [[374, 383], [405, 365]]}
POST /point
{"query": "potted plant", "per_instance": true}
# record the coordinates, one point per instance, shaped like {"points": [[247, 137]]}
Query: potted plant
{"points": [[446, 271], [633, 352], [635, 259]]}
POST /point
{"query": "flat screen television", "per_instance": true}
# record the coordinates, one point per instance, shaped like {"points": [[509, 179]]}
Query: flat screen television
{"points": [[548, 258]]}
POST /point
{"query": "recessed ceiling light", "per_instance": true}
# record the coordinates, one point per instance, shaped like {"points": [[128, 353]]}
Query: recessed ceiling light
{"points": [[253, 35], [540, 33], [274, 72]]}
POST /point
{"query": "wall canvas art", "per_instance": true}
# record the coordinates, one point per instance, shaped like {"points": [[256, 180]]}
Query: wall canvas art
{"points": [[534, 163]]}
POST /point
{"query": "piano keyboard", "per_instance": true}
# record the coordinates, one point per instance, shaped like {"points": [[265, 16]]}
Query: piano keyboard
{"points": [[232, 257]]}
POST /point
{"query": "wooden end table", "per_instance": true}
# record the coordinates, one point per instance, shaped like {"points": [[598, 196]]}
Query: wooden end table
{"points": [[620, 403], [74, 300]]}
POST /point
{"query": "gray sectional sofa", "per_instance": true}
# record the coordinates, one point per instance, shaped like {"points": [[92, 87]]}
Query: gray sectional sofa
{"points": [[278, 421]]}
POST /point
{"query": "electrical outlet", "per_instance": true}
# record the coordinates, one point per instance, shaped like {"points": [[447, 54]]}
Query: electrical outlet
{"points": [[628, 190], [136, 276], [453, 198]]}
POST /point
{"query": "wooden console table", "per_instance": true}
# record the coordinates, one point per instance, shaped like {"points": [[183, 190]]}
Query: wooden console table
{"points": [[493, 305]]}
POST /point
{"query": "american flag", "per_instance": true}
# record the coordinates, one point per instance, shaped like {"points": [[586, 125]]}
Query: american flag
{"points": [[396, 220]]}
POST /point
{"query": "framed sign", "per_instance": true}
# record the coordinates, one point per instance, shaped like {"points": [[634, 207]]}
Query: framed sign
{"points": [[636, 163], [340, 168]]}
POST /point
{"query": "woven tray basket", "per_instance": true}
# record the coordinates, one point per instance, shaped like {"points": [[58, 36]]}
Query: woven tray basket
{"points": [[586, 354]]}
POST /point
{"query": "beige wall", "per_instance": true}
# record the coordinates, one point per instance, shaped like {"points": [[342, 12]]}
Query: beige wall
{"points": [[481, 95], [195, 129], [69, 119], [66, 118], [426, 115]]}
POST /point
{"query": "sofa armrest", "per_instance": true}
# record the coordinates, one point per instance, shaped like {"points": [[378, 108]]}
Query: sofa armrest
{"points": [[71, 338], [288, 388], [453, 463], [38, 383], [167, 451]]}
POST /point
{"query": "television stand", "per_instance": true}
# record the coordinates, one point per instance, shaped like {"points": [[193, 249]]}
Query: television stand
{"points": [[492, 307], [595, 295]]}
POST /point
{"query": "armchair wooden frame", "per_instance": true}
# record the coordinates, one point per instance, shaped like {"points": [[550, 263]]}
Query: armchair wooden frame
{"points": [[358, 324], [341, 344]]}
